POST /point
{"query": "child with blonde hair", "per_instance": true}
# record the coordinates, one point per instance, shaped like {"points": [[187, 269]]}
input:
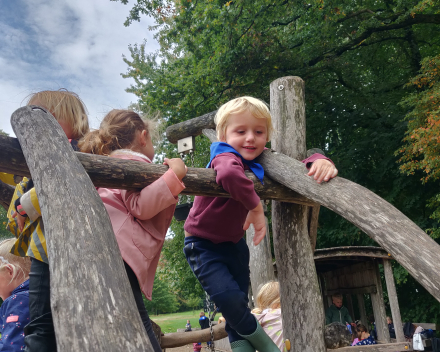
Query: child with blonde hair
{"points": [[140, 218], [26, 224], [14, 291], [268, 312], [214, 244]]}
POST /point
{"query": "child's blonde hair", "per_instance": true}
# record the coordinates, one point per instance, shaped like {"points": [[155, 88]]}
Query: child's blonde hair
{"points": [[267, 297], [21, 266], [117, 131], [256, 107], [64, 106]]}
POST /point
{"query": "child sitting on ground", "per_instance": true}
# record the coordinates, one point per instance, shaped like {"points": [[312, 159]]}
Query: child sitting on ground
{"points": [[214, 244], [14, 291], [140, 218], [26, 224], [268, 312]]}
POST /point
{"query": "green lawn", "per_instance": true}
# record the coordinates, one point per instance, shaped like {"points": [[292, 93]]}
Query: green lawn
{"points": [[172, 322]]}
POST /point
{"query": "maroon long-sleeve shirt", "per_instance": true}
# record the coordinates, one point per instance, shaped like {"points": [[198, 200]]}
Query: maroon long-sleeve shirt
{"points": [[221, 219]]}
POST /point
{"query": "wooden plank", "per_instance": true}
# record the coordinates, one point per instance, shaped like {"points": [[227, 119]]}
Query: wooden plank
{"points": [[362, 311], [394, 303], [389, 347], [301, 303], [431, 326], [358, 290], [351, 251], [313, 224], [350, 307], [380, 316], [92, 303], [127, 174]]}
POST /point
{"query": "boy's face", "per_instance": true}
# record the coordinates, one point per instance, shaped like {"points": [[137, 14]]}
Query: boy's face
{"points": [[337, 302], [246, 134]]}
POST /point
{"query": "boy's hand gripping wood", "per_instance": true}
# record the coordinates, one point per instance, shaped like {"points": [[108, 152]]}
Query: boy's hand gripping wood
{"points": [[256, 217]]}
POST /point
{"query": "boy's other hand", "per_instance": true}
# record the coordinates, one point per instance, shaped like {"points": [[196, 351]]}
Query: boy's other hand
{"points": [[256, 217], [20, 220], [322, 170], [178, 166]]}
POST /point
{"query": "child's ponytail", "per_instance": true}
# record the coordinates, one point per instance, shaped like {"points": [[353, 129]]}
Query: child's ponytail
{"points": [[117, 131]]}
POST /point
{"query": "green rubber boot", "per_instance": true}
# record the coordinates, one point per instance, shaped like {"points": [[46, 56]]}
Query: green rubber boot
{"points": [[242, 346], [261, 341]]}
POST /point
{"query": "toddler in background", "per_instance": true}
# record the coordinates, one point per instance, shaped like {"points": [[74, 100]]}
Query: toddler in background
{"points": [[268, 312], [14, 291]]}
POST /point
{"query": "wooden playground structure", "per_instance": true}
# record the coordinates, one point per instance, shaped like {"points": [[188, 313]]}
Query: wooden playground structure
{"points": [[92, 305]]}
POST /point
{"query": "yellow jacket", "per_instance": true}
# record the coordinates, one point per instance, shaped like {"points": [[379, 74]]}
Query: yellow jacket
{"points": [[31, 241]]}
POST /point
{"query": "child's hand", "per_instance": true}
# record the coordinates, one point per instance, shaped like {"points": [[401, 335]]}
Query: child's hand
{"points": [[20, 220], [256, 217], [323, 170], [178, 166]]}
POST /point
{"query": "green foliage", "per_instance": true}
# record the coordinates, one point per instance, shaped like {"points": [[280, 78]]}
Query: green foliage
{"points": [[163, 299], [3, 221], [3, 133], [355, 57]]}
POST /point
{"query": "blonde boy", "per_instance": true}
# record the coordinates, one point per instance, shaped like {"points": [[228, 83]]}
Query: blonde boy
{"points": [[214, 244]]}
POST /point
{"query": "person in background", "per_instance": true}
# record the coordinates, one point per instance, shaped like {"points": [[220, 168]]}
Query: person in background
{"points": [[14, 291], [337, 312], [188, 326], [197, 346], [391, 328], [364, 337]]}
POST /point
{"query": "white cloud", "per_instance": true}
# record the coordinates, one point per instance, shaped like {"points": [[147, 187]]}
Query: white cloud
{"points": [[77, 45]]}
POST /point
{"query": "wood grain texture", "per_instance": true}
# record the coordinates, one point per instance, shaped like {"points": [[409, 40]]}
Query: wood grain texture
{"points": [[385, 224], [362, 310], [6, 193], [386, 347], [380, 315], [192, 127], [301, 302], [128, 174], [92, 303], [394, 302], [177, 339]]}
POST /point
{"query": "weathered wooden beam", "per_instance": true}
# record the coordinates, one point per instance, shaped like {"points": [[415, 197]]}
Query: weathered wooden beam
{"points": [[380, 315], [92, 303], [386, 347], [301, 302], [357, 290], [191, 127], [177, 339], [128, 174], [394, 302], [351, 251], [6, 193]]}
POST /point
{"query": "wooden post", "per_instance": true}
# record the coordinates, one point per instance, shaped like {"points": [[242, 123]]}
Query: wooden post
{"points": [[301, 303], [6, 193], [92, 303], [350, 307], [394, 303], [261, 265], [361, 305], [380, 315]]}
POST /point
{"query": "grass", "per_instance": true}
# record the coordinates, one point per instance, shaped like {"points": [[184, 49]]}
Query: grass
{"points": [[172, 322]]}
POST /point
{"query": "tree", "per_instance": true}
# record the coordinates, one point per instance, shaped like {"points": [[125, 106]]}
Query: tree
{"points": [[163, 299], [355, 56]]}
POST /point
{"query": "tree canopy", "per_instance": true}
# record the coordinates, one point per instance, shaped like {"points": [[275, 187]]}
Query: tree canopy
{"points": [[355, 57]]}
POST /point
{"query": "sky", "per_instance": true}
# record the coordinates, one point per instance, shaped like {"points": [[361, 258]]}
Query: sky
{"points": [[77, 45]]}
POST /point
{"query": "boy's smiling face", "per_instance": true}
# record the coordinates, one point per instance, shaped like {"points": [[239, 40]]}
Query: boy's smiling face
{"points": [[246, 134]]}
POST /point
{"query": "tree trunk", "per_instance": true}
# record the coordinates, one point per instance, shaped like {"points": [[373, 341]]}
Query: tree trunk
{"points": [[301, 302], [92, 303], [260, 263]]}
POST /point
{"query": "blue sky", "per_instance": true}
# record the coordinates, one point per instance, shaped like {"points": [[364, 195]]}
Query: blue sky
{"points": [[77, 45]]}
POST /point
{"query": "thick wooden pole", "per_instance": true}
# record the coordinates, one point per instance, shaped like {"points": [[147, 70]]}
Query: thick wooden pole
{"points": [[350, 307], [301, 303], [260, 263], [92, 303], [394, 302], [362, 311], [380, 315]]}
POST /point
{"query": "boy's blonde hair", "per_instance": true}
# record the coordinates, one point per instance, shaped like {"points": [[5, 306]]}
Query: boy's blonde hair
{"points": [[267, 297], [256, 107], [337, 296], [21, 266], [64, 106]]}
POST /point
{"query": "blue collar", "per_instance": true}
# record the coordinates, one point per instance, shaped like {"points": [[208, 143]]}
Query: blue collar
{"points": [[221, 147]]}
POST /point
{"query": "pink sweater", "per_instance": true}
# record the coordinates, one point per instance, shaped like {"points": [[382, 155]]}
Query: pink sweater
{"points": [[140, 220], [221, 219]]}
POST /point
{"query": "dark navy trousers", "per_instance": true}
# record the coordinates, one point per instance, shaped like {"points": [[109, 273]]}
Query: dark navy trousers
{"points": [[223, 271]]}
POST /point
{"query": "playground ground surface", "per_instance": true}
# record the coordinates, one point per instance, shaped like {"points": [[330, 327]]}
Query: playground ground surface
{"points": [[171, 322]]}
